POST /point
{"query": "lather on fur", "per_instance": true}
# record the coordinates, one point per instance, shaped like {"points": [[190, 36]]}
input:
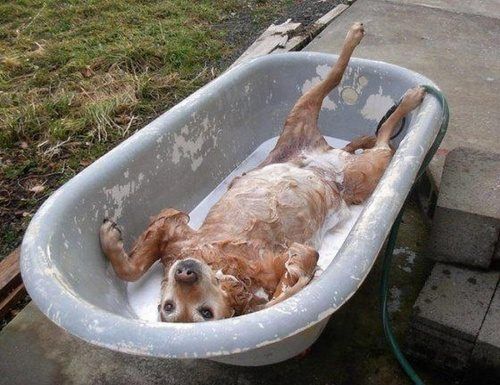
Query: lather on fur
{"points": [[258, 244]]}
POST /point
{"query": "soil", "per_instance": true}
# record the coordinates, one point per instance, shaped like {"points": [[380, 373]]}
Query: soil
{"points": [[18, 205], [245, 29]]}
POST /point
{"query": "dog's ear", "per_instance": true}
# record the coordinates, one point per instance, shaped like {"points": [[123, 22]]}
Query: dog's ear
{"points": [[172, 214], [174, 223], [236, 293], [300, 264]]}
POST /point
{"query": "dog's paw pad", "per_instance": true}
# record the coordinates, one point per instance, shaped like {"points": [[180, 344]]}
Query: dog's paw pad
{"points": [[356, 33], [110, 233], [412, 98]]}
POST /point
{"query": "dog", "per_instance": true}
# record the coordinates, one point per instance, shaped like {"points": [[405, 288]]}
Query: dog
{"points": [[258, 243]]}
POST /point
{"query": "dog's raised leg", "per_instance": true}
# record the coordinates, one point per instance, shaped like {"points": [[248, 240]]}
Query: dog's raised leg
{"points": [[411, 100], [362, 176], [301, 130], [362, 142], [300, 264], [168, 225]]}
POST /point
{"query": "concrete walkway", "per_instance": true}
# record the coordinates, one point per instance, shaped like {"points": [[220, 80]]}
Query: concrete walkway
{"points": [[454, 43], [351, 350]]}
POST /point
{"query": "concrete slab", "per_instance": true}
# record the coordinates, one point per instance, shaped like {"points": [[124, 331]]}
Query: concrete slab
{"points": [[438, 348], [458, 51], [486, 353], [455, 300], [448, 316], [490, 8], [468, 204], [471, 181], [33, 350]]}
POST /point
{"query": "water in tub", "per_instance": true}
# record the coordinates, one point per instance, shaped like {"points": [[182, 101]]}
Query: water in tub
{"points": [[144, 295]]}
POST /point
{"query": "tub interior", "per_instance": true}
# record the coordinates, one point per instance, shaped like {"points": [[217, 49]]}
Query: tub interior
{"points": [[180, 158], [144, 294]]}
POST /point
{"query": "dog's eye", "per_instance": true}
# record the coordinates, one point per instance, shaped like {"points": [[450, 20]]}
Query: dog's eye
{"points": [[206, 313], [169, 306]]}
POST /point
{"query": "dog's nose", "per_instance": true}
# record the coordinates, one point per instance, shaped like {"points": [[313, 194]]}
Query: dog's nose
{"points": [[186, 272]]}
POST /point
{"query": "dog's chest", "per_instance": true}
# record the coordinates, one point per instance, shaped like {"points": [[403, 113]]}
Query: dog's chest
{"points": [[284, 202], [298, 181], [329, 164]]}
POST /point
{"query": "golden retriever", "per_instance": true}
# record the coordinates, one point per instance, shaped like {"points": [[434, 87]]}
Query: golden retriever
{"points": [[257, 245]]}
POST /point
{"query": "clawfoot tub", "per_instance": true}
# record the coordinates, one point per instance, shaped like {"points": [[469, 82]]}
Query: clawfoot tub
{"points": [[181, 157]]}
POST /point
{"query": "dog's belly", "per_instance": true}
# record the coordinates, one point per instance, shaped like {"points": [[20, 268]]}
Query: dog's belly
{"points": [[296, 201]]}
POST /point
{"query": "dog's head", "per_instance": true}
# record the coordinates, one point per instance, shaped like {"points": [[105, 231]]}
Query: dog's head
{"points": [[192, 292]]}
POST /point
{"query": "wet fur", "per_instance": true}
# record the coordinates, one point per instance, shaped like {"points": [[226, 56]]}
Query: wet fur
{"points": [[263, 233]]}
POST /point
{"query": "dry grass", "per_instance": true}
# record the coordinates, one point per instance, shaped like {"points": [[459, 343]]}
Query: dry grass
{"points": [[87, 69], [77, 77]]}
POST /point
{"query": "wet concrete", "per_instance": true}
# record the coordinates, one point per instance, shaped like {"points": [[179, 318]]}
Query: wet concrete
{"points": [[351, 350], [453, 48], [451, 42]]}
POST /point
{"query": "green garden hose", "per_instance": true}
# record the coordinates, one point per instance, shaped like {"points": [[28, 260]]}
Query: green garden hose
{"points": [[391, 242]]}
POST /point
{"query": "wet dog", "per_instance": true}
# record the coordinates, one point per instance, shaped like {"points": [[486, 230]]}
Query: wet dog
{"points": [[258, 244]]}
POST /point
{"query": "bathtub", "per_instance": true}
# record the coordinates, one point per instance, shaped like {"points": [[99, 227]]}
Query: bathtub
{"points": [[177, 160]]}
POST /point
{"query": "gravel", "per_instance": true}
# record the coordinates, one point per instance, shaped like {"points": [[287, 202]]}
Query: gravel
{"points": [[246, 28]]}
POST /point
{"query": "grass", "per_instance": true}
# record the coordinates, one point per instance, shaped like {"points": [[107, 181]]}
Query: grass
{"points": [[77, 77], [86, 69]]}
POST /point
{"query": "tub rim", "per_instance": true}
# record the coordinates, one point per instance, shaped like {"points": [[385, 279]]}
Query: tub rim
{"points": [[235, 335]]}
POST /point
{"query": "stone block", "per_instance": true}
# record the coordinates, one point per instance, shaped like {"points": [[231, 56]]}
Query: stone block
{"points": [[448, 315], [466, 223], [486, 352], [496, 255], [435, 347]]}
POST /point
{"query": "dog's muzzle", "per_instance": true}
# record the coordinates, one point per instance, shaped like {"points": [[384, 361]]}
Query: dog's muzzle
{"points": [[187, 271]]}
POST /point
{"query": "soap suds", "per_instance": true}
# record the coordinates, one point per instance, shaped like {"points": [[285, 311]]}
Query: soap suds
{"points": [[144, 294]]}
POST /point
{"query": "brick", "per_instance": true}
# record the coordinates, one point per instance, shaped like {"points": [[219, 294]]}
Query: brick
{"points": [[437, 348], [448, 315], [466, 223], [496, 254], [487, 350]]}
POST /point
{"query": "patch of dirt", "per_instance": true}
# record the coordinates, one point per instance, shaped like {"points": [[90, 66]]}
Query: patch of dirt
{"points": [[14, 311], [245, 28]]}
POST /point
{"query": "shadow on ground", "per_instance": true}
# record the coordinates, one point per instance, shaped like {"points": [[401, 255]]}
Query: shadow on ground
{"points": [[351, 350]]}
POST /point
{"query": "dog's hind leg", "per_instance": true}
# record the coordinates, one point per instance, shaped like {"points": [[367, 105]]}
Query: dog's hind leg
{"points": [[301, 126], [411, 100], [300, 264], [147, 249], [362, 175]]}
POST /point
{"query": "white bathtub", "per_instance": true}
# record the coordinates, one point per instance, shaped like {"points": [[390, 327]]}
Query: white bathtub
{"points": [[176, 161]]}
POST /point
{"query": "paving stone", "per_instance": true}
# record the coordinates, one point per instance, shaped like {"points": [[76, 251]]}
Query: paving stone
{"points": [[438, 348], [455, 300], [450, 42], [487, 350], [448, 315], [466, 223]]}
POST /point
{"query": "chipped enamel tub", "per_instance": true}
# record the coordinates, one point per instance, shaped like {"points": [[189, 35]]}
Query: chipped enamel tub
{"points": [[176, 161]]}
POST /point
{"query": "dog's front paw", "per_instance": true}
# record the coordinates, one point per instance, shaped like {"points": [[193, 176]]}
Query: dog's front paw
{"points": [[355, 34], [110, 237]]}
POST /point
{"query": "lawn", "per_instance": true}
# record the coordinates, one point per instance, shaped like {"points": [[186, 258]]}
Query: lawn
{"points": [[77, 77]]}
